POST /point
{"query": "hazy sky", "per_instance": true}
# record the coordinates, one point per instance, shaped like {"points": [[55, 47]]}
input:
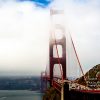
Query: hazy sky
{"points": [[24, 33]]}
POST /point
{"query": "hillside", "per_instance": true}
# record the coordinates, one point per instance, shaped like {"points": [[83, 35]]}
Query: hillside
{"points": [[92, 77]]}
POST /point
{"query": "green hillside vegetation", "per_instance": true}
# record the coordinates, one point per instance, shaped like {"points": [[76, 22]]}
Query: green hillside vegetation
{"points": [[51, 94]]}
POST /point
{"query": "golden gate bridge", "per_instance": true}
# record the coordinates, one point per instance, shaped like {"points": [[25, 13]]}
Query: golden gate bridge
{"points": [[56, 73]]}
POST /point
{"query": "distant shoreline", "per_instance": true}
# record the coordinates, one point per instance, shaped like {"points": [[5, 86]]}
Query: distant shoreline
{"points": [[20, 83]]}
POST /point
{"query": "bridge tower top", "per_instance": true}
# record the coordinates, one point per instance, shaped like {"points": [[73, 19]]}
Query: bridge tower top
{"points": [[57, 39]]}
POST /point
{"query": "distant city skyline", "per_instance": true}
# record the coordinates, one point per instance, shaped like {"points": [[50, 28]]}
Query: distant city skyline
{"points": [[25, 29]]}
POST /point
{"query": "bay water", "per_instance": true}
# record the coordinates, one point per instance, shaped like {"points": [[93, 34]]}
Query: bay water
{"points": [[20, 95]]}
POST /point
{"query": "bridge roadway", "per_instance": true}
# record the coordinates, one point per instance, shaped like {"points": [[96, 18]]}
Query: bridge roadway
{"points": [[72, 85], [72, 90]]}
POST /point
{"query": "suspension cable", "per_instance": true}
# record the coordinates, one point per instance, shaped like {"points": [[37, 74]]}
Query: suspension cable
{"points": [[77, 57]]}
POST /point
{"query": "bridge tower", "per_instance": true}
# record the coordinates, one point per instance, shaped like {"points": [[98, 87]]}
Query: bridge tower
{"points": [[55, 42], [43, 82]]}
